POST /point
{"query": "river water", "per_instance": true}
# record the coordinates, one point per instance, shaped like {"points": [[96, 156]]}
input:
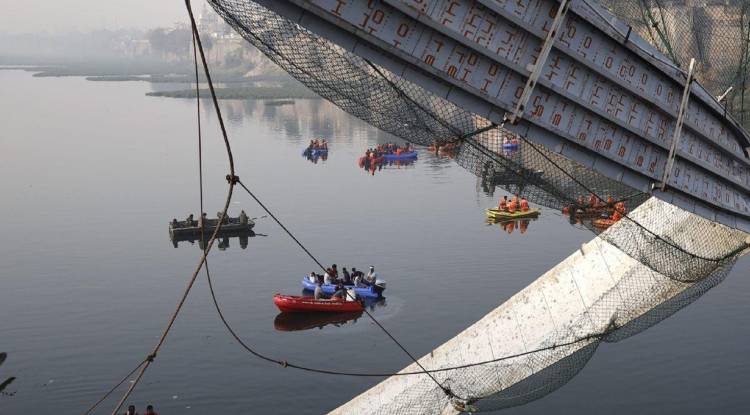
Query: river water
{"points": [[92, 172]]}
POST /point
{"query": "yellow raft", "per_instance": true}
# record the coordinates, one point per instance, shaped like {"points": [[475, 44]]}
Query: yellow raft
{"points": [[497, 214]]}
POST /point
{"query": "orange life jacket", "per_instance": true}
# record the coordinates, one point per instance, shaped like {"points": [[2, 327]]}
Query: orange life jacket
{"points": [[593, 201]]}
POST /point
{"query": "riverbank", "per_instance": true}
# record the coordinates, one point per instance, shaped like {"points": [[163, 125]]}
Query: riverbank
{"points": [[285, 91]]}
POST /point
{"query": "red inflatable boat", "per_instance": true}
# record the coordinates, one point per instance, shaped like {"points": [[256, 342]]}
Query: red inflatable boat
{"points": [[297, 304]]}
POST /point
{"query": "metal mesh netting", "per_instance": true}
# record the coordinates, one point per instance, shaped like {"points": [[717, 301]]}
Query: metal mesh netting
{"points": [[679, 250], [544, 372], [715, 33]]}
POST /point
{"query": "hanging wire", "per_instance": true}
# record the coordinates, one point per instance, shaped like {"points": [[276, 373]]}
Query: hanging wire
{"points": [[287, 364], [232, 179], [117, 385]]}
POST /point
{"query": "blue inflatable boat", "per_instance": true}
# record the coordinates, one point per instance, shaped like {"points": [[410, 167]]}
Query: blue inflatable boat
{"points": [[328, 289], [409, 155], [315, 152]]}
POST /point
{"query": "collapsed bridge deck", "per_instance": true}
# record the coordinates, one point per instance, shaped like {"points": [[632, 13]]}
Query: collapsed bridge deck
{"points": [[569, 75]]}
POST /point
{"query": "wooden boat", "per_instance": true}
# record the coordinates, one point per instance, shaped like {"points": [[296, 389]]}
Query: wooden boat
{"points": [[299, 304], [181, 229]]}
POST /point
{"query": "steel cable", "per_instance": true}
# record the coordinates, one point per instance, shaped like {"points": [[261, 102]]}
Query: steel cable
{"points": [[232, 179], [285, 363]]}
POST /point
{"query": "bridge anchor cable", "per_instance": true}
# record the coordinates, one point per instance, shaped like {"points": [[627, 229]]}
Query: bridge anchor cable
{"points": [[678, 126], [541, 60]]}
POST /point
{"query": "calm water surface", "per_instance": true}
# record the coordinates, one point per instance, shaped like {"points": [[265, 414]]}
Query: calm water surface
{"points": [[91, 173]]}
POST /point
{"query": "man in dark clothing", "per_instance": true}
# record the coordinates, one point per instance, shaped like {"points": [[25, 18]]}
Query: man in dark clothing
{"points": [[340, 291], [150, 411], [335, 274], [347, 276]]}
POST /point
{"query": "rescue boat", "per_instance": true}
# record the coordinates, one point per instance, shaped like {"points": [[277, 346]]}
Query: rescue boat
{"points": [[408, 155], [299, 304], [498, 214], [373, 291], [603, 223]]}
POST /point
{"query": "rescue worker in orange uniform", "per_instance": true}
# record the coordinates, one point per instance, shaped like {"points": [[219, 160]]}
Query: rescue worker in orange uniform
{"points": [[513, 205], [593, 201], [503, 205], [616, 216], [524, 205]]}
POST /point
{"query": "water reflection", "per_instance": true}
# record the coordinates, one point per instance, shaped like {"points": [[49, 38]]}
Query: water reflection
{"points": [[308, 321], [4, 385], [222, 242], [494, 175], [314, 156], [510, 226], [371, 166]]}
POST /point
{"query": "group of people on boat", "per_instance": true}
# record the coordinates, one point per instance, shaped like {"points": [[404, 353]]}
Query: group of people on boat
{"points": [[317, 149], [608, 211], [447, 148], [387, 148], [514, 205], [316, 144], [374, 157], [331, 276], [510, 140], [225, 219]]}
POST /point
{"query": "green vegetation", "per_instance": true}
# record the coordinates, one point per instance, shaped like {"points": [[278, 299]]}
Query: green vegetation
{"points": [[245, 92]]}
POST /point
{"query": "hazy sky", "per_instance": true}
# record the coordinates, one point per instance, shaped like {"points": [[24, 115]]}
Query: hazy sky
{"points": [[72, 15]]}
